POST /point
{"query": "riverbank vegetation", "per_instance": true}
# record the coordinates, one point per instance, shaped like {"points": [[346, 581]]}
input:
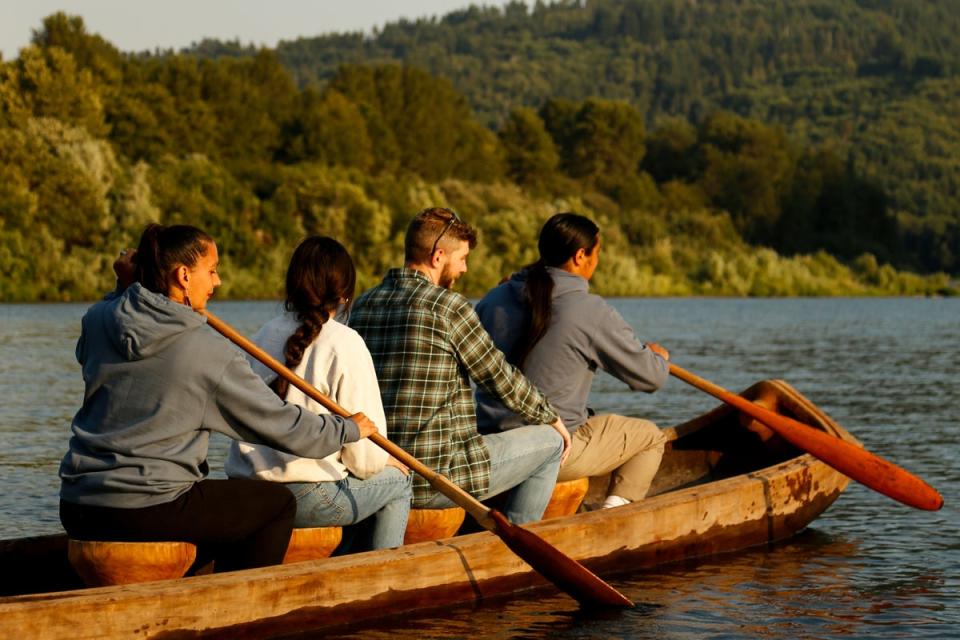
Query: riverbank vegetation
{"points": [[877, 82], [95, 143]]}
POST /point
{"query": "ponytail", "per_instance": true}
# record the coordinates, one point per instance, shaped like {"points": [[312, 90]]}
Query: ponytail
{"points": [[561, 237], [162, 249], [538, 296]]}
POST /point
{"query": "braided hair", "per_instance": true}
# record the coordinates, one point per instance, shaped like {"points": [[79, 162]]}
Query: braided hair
{"points": [[320, 278]]}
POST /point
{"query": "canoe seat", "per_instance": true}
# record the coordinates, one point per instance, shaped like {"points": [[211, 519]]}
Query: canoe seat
{"points": [[425, 525], [101, 564], [312, 543], [566, 498], [768, 400]]}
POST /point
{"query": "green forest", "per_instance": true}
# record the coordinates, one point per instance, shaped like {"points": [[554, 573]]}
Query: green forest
{"points": [[874, 81], [507, 116]]}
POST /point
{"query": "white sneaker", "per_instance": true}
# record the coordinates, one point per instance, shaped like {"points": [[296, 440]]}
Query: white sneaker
{"points": [[614, 501]]}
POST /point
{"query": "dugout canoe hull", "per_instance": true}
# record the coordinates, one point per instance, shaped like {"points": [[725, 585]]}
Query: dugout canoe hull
{"points": [[724, 484]]}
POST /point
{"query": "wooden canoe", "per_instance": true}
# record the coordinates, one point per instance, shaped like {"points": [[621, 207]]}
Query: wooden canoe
{"points": [[725, 484]]}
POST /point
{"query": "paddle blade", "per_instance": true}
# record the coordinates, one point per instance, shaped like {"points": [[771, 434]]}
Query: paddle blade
{"points": [[855, 462], [566, 573]]}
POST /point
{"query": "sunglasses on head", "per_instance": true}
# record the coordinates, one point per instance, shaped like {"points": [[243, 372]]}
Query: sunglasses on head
{"points": [[452, 219]]}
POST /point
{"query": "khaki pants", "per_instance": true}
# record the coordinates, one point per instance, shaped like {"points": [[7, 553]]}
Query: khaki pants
{"points": [[630, 448]]}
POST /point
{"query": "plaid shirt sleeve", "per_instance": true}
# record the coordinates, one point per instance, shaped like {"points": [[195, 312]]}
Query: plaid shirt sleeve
{"points": [[488, 367]]}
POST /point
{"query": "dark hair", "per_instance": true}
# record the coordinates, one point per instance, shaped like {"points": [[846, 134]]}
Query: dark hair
{"points": [[560, 238], [320, 276], [162, 249], [429, 227]]}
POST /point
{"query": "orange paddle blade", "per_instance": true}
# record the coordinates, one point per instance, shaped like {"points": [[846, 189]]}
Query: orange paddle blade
{"points": [[854, 462]]}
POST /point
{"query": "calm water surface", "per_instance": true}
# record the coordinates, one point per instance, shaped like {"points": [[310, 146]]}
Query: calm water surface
{"points": [[887, 369]]}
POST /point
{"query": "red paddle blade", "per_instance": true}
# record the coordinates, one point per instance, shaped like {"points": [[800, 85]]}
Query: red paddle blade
{"points": [[566, 573]]}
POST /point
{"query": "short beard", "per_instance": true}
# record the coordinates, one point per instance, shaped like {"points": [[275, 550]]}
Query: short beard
{"points": [[446, 277]]}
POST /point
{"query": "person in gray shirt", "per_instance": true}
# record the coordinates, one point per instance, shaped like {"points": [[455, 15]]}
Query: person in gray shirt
{"points": [[558, 333], [157, 382]]}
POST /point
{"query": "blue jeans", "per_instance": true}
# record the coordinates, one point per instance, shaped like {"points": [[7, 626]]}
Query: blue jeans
{"points": [[385, 496], [526, 460]]}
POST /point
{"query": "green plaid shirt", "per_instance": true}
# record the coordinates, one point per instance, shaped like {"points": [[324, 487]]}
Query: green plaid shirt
{"points": [[427, 344]]}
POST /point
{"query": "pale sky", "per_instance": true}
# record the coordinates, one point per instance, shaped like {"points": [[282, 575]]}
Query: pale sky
{"points": [[133, 25]]}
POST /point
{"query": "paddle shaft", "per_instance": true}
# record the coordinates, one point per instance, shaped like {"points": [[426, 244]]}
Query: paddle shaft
{"points": [[565, 572], [847, 458]]}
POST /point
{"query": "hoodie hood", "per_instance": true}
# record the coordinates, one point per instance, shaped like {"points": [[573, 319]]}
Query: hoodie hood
{"points": [[516, 283], [139, 322], [565, 282]]}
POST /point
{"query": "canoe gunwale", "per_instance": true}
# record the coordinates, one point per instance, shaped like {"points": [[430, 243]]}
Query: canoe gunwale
{"points": [[727, 514]]}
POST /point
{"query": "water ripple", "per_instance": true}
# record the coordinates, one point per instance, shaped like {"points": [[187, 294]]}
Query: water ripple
{"points": [[887, 369]]}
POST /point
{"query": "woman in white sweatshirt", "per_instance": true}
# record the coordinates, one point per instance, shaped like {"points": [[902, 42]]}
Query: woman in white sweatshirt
{"points": [[360, 480]]}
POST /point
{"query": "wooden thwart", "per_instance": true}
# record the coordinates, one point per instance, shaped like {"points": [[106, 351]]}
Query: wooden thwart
{"points": [[566, 498], [101, 564], [426, 525], [312, 543]]}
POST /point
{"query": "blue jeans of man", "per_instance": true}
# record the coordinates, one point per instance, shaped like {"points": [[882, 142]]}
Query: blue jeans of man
{"points": [[385, 496], [524, 461]]}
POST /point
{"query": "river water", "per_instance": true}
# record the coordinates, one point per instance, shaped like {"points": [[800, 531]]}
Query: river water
{"points": [[887, 369]]}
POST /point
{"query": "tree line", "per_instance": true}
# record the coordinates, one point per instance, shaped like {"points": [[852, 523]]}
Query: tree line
{"points": [[875, 81], [95, 143]]}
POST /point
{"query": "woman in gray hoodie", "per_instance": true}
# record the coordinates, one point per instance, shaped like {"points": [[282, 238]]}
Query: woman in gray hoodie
{"points": [[158, 381]]}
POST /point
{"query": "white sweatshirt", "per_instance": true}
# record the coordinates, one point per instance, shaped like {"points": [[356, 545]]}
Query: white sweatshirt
{"points": [[339, 365]]}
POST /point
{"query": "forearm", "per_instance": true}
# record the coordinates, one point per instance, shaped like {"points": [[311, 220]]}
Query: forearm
{"points": [[623, 356], [244, 405]]}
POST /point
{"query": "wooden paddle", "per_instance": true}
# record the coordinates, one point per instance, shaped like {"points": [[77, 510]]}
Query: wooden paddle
{"points": [[847, 458], [563, 571]]}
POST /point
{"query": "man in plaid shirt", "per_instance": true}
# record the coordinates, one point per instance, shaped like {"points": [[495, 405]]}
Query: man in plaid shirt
{"points": [[427, 344]]}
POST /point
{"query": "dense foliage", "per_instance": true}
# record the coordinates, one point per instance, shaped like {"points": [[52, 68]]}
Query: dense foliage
{"points": [[95, 143], [874, 81]]}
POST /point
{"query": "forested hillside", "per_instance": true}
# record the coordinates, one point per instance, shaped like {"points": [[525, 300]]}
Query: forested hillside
{"points": [[94, 143], [875, 82]]}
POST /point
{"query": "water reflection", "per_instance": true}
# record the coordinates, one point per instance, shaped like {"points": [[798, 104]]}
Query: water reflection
{"points": [[810, 586]]}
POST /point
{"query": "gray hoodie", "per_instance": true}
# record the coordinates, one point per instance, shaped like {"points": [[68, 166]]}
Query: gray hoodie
{"points": [[585, 334], [157, 381]]}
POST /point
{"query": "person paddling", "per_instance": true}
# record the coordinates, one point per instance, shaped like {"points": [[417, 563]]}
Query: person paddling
{"points": [[157, 382], [559, 334]]}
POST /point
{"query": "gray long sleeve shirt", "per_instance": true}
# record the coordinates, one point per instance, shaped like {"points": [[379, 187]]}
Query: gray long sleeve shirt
{"points": [[585, 334], [158, 381]]}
